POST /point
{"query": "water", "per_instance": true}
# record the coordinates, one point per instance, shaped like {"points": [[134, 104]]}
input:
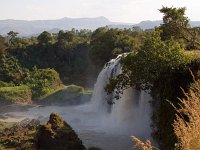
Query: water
{"points": [[97, 123]]}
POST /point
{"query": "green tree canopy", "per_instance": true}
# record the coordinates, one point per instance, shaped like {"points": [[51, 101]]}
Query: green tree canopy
{"points": [[176, 25], [143, 68], [45, 38], [108, 43]]}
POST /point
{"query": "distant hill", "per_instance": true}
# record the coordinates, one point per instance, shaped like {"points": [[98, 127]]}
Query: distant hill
{"points": [[28, 28], [151, 24]]}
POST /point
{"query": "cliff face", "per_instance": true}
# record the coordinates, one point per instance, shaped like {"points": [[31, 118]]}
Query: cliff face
{"points": [[57, 135]]}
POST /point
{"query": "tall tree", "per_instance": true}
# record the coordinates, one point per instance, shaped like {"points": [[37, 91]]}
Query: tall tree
{"points": [[176, 25], [11, 37]]}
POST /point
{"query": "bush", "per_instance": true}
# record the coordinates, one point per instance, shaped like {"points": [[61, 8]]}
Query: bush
{"points": [[16, 94], [42, 82], [5, 84]]}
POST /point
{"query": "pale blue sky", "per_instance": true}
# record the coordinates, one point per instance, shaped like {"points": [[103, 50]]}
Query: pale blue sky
{"points": [[132, 11]]}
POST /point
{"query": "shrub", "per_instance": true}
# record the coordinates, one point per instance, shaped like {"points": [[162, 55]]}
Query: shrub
{"points": [[42, 82], [5, 84]]}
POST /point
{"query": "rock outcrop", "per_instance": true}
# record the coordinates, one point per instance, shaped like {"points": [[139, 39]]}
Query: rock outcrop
{"points": [[57, 135]]}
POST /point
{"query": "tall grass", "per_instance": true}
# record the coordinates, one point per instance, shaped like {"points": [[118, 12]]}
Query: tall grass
{"points": [[187, 123]]}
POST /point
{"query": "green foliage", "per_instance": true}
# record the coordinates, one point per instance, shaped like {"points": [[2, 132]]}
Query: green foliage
{"points": [[174, 22], [42, 82], [143, 68], [12, 37], [5, 84], [16, 94], [45, 38], [3, 45], [67, 54], [10, 69], [66, 36], [108, 43], [74, 54], [176, 25]]}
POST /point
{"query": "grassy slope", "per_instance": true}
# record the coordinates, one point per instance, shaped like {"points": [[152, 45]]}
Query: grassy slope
{"points": [[71, 94], [16, 94]]}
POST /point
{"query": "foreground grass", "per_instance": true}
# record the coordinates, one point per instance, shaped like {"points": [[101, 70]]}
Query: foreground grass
{"points": [[187, 124]]}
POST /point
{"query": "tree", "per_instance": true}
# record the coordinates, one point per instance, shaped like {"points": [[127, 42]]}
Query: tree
{"points": [[3, 45], [45, 38], [176, 25], [108, 43], [11, 37], [67, 36]]}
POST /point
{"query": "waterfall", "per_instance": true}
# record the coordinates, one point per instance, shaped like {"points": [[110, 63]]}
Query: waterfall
{"points": [[100, 97], [131, 112]]}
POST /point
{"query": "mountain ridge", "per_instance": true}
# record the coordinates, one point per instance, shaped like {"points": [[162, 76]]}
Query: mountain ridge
{"points": [[34, 27]]}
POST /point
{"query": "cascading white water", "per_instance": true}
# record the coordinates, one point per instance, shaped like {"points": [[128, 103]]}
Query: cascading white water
{"points": [[131, 112], [100, 97]]}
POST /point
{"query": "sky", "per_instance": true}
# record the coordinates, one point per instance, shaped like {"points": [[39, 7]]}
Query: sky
{"points": [[129, 11]]}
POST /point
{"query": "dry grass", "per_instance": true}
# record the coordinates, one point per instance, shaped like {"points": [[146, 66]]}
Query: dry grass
{"points": [[141, 145], [187, 123]]}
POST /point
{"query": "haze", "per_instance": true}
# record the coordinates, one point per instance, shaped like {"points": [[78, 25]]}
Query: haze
{"points": [[132, 11]]}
